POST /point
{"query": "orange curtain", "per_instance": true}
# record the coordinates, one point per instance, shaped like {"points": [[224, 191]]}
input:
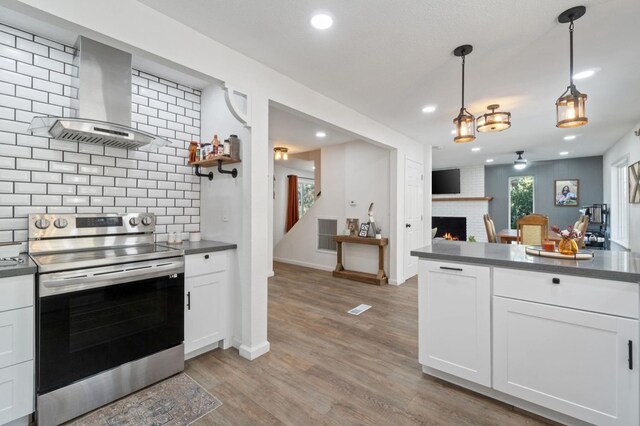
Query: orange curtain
{"points": [[292, 203]]}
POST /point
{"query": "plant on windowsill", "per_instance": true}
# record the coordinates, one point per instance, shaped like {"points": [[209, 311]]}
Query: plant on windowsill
{"points": [[567, 244]]}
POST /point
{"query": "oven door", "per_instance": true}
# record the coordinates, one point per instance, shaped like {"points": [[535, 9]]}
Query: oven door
{"points": [[93, 320]]}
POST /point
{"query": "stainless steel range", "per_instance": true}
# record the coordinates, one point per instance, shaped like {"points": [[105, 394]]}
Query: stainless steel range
{"points": [[110, 311]]}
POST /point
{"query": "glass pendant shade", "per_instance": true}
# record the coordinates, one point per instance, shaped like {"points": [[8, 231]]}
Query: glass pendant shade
{"points": [[280, 153], [465, 127], [571, 109], [494, 121]]}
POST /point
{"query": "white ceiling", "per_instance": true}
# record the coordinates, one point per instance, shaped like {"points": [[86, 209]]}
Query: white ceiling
{"points": [[387, 59], [297, 131]]}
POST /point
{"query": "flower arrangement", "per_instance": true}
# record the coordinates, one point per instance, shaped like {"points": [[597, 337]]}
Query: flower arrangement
{"points": [[568, 243]]}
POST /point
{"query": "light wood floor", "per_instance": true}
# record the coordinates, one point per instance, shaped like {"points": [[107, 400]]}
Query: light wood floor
{"points": [[328, 367]]}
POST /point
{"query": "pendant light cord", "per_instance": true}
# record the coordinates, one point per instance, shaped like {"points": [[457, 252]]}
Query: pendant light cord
{"points": [[463, 58], [571, 52]]}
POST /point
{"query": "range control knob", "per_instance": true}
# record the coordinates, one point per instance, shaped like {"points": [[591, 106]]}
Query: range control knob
{"points": [[60, 223], [134, 221], [146, 221], [42, 223]]}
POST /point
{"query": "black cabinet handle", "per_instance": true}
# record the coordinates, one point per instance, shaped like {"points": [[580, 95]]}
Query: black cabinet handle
{"points": [[206, 256], [446, 268], [556, 280], [188, 301], [630, 346]]}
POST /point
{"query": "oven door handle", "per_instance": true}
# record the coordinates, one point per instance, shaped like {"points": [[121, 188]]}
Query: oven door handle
{"points": [[65, 282]]}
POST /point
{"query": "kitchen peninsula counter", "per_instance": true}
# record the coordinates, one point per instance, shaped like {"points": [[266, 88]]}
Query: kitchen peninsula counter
{"points": [[608, 265]]}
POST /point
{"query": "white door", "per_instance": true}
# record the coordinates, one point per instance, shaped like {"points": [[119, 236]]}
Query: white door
{"points": [[579, 363], [413, 208], [454, 319], [204, 311]]}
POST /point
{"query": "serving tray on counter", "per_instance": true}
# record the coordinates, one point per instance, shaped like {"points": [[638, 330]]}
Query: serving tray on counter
{"points": [[538, 251]]}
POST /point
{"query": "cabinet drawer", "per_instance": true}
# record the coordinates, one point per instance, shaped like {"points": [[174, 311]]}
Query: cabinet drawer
{"points": [[16, 391], [16, 336], [17, 292], [205, 263], [589, 294]]}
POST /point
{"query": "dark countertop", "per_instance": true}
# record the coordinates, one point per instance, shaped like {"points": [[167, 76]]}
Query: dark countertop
{"points": [[25, 268], [609, 265], [203, 246]]}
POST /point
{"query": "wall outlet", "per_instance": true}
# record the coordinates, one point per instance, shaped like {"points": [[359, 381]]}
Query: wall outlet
{"points": [[353, 203]]}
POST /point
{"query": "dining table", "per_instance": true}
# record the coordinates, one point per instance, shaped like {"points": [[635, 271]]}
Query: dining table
{"points": [[508, 236]]}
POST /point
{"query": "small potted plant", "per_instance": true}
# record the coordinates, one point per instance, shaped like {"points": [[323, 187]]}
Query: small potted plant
{"points": [[567, 244]]}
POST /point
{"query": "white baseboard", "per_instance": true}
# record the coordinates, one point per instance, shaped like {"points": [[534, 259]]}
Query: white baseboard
{"points": [[393, 281], [305, 264], [270, 274], [254, 352], [202, 350]]}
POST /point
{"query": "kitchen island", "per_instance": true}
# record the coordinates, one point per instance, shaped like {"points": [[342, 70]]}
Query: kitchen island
{"points": [[555, 337]]}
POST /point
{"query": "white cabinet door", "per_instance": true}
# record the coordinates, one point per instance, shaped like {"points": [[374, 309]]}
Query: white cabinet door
{"points": [[16, 336], [204, 314], [575, 362], [455, 319], [16, 391]]}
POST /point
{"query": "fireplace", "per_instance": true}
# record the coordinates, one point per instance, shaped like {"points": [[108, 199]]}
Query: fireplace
{"points": [[450, 228]]}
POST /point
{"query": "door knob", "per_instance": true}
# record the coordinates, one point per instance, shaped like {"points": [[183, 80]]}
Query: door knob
{"points": [[407, 225]]}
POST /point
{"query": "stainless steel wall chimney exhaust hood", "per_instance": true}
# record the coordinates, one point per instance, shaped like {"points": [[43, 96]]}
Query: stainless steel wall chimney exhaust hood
{"points": [[102, 110]]}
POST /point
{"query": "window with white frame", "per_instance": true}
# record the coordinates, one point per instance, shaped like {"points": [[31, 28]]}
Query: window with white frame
{"points": [[620, 202]]}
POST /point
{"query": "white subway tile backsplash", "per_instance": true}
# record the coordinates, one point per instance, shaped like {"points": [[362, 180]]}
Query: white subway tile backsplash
{"points": [[102, 181], [39, 174], [15, 175], [62, 189], [63, 167], [35, 165], [46, 200], [46, 177], [70, 200], [15, 151], [75, 179]]}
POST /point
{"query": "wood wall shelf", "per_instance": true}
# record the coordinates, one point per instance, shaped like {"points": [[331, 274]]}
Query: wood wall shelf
{"points": [[215, 162], [463, 199]]}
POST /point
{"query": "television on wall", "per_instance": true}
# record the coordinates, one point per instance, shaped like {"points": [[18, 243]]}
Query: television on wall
{"points": [[445, 181]]}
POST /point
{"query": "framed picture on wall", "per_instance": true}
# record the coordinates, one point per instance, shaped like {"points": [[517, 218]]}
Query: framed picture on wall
{"points": [[634, 183], [567, 193], [364, 229]]}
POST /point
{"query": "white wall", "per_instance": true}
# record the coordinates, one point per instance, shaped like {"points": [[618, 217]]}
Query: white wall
{"points": [[146, 32], [355, 171], [281, 189], [471, 185], [627, 146]]}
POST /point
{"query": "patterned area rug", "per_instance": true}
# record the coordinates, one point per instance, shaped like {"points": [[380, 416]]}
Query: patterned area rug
{"points": [[176, 401]]}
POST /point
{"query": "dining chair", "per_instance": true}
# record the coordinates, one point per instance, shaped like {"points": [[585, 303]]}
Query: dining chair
{"points": [[532, 229], [490, 228], [581, 226]]}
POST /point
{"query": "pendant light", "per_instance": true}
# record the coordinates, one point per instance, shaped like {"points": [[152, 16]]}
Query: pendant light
{"points": [[520, 163], [494, 121], [281, 153], [570, 106], [464, 122]]}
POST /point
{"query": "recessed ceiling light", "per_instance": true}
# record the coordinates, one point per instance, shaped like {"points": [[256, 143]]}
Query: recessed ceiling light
{"points": [[429, 108], [320, 134], [569, 137], [489, 160], [583, 74], [321, 21], [564, 153], [476, 149]]}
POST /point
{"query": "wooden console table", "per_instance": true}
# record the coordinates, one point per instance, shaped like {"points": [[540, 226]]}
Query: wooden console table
{"points": [[377, 279]]}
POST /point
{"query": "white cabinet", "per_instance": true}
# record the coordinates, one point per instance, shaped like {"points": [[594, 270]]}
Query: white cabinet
{"points": [[17, 336], [206, 301], [455, 319], [579, 363]]}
